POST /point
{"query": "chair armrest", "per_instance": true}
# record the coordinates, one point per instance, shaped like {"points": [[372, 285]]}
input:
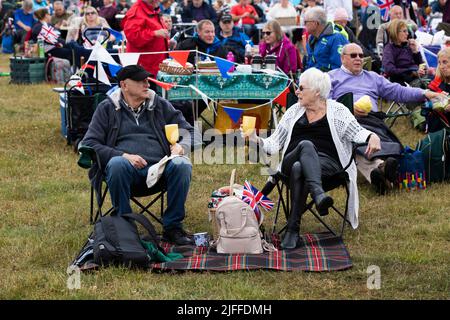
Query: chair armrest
{"points": [[352, 158], [87, 156]]}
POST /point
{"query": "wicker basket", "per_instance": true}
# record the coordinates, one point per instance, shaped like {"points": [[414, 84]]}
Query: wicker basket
{"points": [[287, 21], [176, 70]]}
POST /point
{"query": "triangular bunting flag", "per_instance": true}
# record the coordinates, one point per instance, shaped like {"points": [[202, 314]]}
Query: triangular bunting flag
{"points": [[129, 58], [117, 34], [102, 77], [164, 85], [224, 66], [233, 113], [113, 69], [204, 96], [281, 99], [99, 53], [180, 56], [431, 58]]}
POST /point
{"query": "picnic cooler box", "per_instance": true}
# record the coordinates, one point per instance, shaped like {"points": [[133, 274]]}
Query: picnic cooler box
{"points": [[27, 70], [223, 121]]}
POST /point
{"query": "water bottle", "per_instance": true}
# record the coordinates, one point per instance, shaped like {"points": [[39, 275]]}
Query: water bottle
{"points": [[230, 57], [248, 53], [41, 49]]}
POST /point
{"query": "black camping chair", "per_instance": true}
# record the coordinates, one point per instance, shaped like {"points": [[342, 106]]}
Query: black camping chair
{"points": [[94, 34], [80, 108], [87, 159], [340, 179]]}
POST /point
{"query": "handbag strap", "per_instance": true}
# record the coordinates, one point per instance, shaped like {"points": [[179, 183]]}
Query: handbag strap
{"points": [[232, 179], [142, 220]]}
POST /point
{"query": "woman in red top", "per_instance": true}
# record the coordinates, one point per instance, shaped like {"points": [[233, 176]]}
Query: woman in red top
{"points": [[248, 17], [146, 32], [438, 119]]}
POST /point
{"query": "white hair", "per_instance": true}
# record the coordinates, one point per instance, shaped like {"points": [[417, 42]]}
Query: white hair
{"points": [[318, 81], [317, 14]]}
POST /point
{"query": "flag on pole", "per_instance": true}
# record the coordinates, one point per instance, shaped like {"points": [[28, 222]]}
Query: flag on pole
{"points": [[385, 6], [253, 197]]}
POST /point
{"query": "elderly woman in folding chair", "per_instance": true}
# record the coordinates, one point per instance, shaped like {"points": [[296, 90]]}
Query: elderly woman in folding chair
{"points": [[316, 137]]}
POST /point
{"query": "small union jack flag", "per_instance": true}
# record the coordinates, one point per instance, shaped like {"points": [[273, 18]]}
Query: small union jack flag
{"points": [[253, 197], [385, 6]]}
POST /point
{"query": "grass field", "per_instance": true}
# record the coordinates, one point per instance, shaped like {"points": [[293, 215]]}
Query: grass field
{"points": [[44, 208]]}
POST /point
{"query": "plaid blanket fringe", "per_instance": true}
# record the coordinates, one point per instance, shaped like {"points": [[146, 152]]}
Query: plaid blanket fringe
{"points": [[320, 252]]}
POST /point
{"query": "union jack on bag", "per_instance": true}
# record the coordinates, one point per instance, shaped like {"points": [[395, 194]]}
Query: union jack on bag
{"points": [[385, 6], [253, 197]]}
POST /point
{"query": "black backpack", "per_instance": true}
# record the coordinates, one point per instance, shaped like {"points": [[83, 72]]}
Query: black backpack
{"points": [[117, 241]]}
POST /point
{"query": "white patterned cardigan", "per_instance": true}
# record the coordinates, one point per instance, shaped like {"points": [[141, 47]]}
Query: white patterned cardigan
{"points": [[344, 128]]}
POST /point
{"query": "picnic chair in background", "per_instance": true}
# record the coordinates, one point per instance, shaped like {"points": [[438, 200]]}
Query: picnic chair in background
{"points": [[80, 108], [87, 158], [340, 179]]}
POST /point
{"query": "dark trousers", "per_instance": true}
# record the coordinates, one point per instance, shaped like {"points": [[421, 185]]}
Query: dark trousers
{"points": [[305, 168]]}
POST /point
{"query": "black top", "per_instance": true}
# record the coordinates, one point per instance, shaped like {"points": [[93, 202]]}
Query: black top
{"points": [[317, 132]]}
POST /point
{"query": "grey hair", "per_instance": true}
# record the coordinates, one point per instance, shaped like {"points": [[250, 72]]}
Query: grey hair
{"points": [[317, 14], [317, 81], [27, 4]]}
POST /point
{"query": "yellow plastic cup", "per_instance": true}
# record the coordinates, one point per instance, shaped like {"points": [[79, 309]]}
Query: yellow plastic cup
{"points": [[364, 103]]}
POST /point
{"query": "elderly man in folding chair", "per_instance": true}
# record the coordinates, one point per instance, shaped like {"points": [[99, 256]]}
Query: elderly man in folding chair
{"points": [[127, 134], [381, 169], [316, 137]]}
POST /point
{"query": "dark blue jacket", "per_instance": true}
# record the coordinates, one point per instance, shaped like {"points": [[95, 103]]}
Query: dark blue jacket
{"points": [[236, 43]]}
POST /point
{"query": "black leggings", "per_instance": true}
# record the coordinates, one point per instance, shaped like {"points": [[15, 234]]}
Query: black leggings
{"points": [[305, 169]]}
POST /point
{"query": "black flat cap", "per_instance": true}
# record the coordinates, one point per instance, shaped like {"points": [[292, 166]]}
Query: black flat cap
{"points": [[133, 72]]}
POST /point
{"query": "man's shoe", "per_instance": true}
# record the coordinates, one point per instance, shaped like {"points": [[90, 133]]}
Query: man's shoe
{"points": [[290, 240], [177, 236], [323, 202], [391, 170], [378, 181]]}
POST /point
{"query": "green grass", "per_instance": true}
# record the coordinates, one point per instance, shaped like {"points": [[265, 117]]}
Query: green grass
{"points": [[44, 207]]}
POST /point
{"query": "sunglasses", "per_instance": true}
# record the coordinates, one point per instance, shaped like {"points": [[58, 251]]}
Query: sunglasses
{"points": [[266, 33], [354, 55], [90, 13], [302, 88]]}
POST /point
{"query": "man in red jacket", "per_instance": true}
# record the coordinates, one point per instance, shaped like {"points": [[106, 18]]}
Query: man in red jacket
{"points": [[146, 32]]}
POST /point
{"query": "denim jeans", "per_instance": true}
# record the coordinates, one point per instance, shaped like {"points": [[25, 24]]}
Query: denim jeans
{"points": [[121, 175]]}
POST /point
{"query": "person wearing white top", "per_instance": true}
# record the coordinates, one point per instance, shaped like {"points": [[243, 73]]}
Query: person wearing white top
{"points": [[316, 136], [283, 9], [330, 7]]}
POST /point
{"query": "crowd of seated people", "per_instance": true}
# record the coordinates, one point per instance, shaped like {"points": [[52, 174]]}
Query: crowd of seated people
{"points": [[328, 42]]}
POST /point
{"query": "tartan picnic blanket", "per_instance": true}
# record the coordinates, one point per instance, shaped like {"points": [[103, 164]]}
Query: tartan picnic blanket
{"points": [[320, 252]]}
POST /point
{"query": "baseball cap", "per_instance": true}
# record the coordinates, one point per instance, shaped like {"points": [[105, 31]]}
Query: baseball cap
{"points": [[133, 72], [226, 17]]}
